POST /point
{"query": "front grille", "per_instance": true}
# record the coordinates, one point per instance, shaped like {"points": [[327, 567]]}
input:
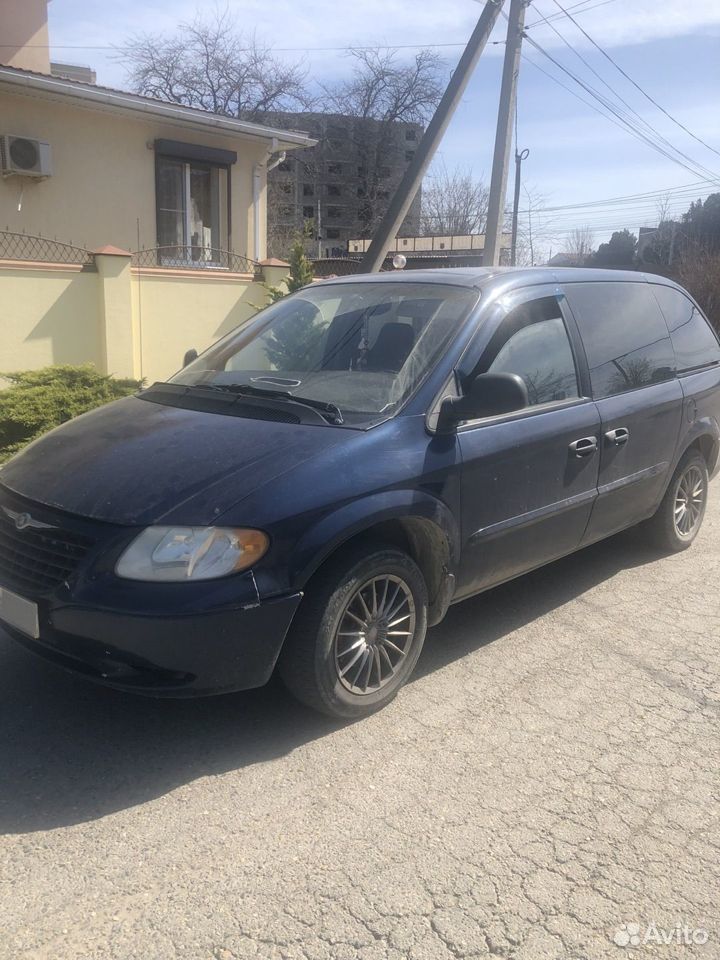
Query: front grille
{"points": [[33, 560]]}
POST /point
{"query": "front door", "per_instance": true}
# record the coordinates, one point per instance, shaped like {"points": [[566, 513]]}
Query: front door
{"points": [[529, 478], [632, 373]]}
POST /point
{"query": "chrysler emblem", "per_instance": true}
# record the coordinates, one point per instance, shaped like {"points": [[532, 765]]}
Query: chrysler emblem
{"points": [[23, 520]]}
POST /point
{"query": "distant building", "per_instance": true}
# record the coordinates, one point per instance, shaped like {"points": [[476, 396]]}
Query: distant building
{"points": [[340, 188], [420, 253], [73, 71], [563, 259]]}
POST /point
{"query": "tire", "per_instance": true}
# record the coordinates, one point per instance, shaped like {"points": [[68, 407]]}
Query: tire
{"points": [[334, 648], [680, 515]]}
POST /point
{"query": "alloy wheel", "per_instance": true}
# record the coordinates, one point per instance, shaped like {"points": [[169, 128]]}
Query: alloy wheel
{"points": [[375, 634], [689, 501]]}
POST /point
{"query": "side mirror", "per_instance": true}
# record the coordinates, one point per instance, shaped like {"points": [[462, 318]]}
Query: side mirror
{"points": [[190, 355], [488, 395]]}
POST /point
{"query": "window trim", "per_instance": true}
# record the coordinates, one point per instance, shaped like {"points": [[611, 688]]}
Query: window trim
{"points": [[177, 150], [160, 156], [530, 411]]}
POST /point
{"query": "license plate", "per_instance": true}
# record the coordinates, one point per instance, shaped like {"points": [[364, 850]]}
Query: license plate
{"points": [[19, 613]]}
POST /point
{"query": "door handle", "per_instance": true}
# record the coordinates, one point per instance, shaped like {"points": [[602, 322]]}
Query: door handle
{"points": [[585, 447], [618, 437]]}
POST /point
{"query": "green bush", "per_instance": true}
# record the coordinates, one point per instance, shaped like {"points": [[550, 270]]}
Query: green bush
{"points": [[38, 400]]}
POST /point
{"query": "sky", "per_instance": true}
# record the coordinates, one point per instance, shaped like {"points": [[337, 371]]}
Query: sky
{"points": [[671, 49]]}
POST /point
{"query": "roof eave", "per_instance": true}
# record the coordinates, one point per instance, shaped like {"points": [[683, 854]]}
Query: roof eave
{"points": [[133, 104]]}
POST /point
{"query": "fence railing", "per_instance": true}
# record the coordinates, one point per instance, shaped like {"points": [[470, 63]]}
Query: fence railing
{"points": [[23, 246], [194, 258]]}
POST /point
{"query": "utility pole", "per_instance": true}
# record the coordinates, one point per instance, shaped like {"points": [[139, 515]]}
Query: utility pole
{"points": [[410, 183], [519, 157], [503, 134], [319, 226]]}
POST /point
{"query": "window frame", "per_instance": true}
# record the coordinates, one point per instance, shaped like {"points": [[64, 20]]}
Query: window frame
{"points": [[220, 159], [488, 325]]}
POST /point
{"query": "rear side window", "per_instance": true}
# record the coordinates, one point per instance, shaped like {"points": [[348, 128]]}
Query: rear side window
{"points": [[695, 343], [625, 336]]}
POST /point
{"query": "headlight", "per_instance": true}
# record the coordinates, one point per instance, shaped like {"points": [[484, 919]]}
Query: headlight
{"points": [[190, 553]]}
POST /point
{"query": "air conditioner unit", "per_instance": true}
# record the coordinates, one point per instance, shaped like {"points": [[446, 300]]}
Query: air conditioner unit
{"points": [[25, 157]]}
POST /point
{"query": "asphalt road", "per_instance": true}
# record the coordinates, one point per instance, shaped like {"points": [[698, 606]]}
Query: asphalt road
{"points": [[551, 774]]}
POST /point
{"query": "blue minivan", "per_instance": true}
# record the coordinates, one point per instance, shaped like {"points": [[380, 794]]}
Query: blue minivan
{"points": [[315, 490]]}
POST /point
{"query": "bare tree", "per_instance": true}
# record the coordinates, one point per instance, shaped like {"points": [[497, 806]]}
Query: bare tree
{"points": [[383, 90], [537, 230], [579, 245], [454, 203], [208, 63], [662, 205]]}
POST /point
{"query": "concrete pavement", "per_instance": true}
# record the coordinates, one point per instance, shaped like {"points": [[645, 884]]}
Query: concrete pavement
{"points": [[546, 787]]}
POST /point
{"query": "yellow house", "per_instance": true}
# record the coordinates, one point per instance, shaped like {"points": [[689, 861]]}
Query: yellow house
{"points": [[177, 193]]}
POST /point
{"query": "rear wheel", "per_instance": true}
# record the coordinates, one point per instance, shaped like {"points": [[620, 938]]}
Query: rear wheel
{"points": [[358, 633], [681, 513]]}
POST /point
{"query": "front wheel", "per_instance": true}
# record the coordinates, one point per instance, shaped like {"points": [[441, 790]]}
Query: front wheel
{"points": [[681, 513], [358, 633]]}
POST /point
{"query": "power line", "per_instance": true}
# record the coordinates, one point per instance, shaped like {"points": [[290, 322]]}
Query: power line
{"points": [[697, 169], [612, 118], [346, 49], [649, 129], [559, 16], [633, 82]]}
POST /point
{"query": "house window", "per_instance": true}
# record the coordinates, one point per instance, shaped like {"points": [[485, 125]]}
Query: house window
{"points": [[192, 210], [332, 234], [308, 212], [308, 190], [333, 213], [333, 190], [411, 134]]}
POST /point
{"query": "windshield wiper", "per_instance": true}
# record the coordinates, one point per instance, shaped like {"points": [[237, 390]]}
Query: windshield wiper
{"points": [[329, 410]]}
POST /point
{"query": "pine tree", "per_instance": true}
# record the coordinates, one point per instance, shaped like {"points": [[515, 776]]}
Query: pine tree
{"points": [[301, 273]]}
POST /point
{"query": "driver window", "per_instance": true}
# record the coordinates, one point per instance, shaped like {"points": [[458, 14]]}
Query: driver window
{"points": [[532, 342]]}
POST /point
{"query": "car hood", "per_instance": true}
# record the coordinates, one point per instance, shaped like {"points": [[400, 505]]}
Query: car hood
{"points": [[138, 462]]}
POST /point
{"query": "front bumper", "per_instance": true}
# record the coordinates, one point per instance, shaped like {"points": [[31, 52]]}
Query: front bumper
{"points": [[166, 654]]}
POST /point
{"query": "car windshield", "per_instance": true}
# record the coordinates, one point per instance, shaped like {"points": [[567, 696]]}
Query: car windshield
{"points": [[362, 347]]}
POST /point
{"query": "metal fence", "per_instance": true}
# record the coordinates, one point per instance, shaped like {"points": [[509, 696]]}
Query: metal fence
{"points": [[194, 258], [23, 246]]}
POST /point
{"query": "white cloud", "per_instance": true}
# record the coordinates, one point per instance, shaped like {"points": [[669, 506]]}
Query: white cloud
{"points": [[327, 23]]}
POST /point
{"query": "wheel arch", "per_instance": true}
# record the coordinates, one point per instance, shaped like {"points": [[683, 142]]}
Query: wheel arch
{"points": [[708, 445], [421, 526]]}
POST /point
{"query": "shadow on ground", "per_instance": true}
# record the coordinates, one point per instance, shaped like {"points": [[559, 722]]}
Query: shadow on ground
{"points": [[72, 752]]}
